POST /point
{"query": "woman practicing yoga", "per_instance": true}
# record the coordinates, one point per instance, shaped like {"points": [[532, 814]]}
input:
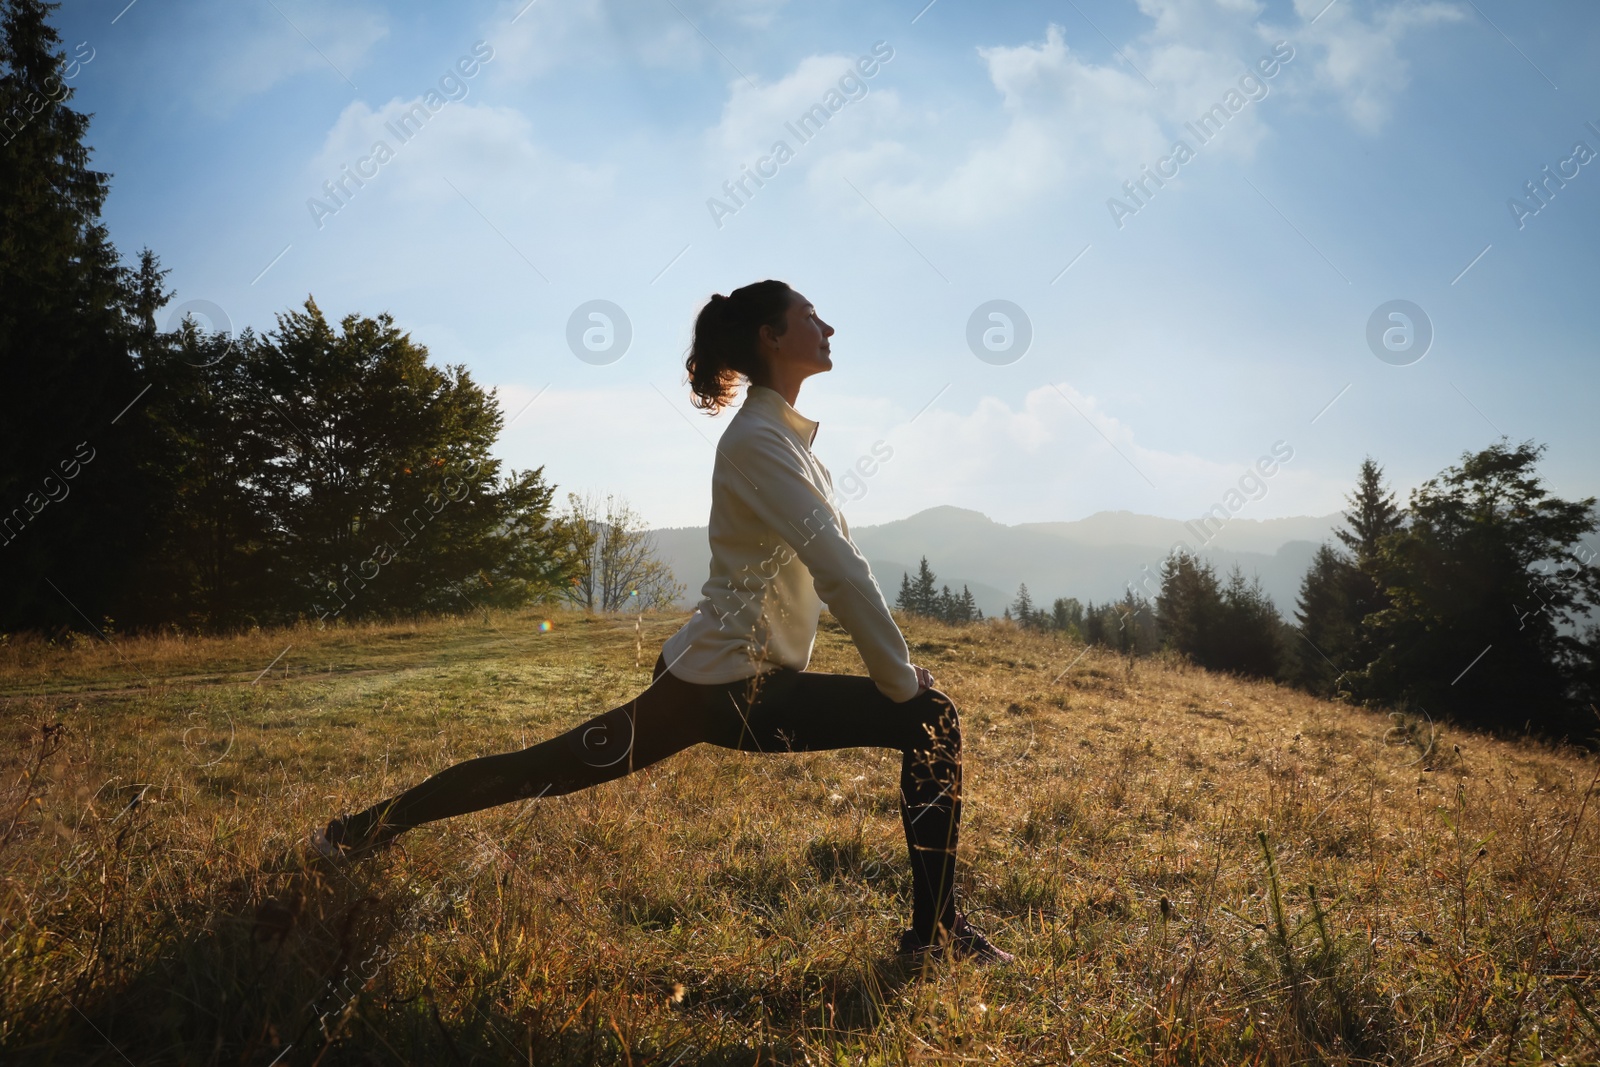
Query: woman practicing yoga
{"points": [[734, 675]]}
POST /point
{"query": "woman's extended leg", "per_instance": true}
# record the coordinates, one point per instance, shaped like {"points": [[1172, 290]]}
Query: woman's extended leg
{"points": [[666, 718], [803, 711]]}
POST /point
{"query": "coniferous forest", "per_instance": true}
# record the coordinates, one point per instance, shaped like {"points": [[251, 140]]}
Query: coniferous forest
{"points": [[1475, 602]]}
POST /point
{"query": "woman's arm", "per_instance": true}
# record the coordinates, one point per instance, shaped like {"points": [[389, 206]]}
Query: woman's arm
{"points": [[771, 479]]}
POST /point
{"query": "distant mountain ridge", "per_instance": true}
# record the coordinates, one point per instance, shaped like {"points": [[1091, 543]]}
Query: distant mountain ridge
{"points": [[1094, 558]]}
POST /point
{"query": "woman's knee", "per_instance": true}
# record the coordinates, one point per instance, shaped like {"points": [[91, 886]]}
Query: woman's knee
{"points": [[939, 718]]}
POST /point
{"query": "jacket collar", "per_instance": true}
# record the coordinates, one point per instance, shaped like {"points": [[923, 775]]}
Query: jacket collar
{"points": [[770, 403]]}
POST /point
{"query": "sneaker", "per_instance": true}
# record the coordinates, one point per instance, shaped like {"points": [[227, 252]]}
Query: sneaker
{"points": [[964, 942], [331, 845]]}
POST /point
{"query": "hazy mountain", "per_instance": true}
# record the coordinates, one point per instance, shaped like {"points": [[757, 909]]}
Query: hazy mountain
{"points": [[1092, 559]]}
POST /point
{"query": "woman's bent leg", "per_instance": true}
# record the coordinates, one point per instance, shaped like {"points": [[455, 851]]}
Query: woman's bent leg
{"points": [[664, 719], [802, 711]]}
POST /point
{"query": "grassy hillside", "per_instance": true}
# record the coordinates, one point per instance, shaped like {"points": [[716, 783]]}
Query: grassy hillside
{"points": [[1145, 837]]}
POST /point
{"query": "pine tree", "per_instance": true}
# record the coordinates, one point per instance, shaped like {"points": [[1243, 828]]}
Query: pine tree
{"points": [[1023, 606], [1372, 514], [968, 610], [1486, 585], [1330, 612], [1251, 632], [1340, 591], [1094, 625], [69, 314], [212, 558], [1232, 627], [1067, 615], [907, 600], [1189, 606], [924, 590]]}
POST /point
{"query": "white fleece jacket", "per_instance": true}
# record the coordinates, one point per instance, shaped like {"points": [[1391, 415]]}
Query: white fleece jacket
{"points": [[780, 548]]}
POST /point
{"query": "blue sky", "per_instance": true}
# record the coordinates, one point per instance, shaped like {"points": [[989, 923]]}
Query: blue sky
{"points": [[1225, 313]]}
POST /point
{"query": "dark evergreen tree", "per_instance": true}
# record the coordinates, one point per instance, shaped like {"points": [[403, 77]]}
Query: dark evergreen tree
{"points": [[1339, 591], [1329, 612], [1486, 588], [213, 544], [1373, 514], [1127, 639], [919, 596], [1022, 607], [74, 510], [1067, 615], [1251, 635], [1189, 606], [923, 590], [1232, 627], [1094, 625]]}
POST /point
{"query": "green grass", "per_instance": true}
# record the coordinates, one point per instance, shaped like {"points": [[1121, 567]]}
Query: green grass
{"points": [[1144, 839]]}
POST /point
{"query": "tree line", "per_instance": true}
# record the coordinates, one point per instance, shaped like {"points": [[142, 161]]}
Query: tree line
{"points": [[919, 597], [189, 478], [1474, 602]]}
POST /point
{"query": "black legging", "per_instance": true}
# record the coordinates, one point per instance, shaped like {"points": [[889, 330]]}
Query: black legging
{"points": [[781, 710]]}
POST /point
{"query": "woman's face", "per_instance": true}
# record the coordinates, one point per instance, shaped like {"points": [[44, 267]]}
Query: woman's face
{"points": [[803, 349]]}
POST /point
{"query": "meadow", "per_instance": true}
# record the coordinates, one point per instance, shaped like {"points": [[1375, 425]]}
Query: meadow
{"points": [[1190, 867]]}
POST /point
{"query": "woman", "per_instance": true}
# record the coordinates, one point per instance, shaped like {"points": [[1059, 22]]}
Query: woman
{"points": [[734, 675]]}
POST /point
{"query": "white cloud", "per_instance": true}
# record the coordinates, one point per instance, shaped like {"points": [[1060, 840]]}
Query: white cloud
{"points": [[755, 115], [476, 146], [271, 46], [541, 37], [1041, 461], [1361, 63], [1060, 453], [1076, 128], [1072, 128], [752, 14], [1213, 22]]}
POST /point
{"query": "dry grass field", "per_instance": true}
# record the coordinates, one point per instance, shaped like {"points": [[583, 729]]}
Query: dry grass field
{"points": [[1191, 868]]}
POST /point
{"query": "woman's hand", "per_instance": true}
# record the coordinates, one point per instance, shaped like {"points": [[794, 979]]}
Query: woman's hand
{"points": [[924, 679]]}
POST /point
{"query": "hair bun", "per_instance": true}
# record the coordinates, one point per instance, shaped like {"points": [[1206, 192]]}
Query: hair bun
{"points": [[726, 305]]}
